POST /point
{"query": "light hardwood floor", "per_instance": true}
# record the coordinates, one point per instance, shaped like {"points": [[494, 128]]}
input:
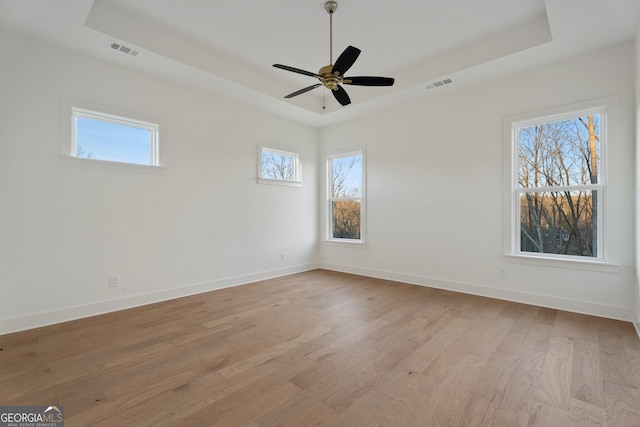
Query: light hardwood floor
{"points": [[329, 349]]}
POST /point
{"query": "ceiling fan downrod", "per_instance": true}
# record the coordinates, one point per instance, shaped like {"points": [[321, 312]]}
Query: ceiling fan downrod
{"points": [[330, 7]]}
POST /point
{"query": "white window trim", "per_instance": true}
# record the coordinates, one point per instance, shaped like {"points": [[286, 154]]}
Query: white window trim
{"points": [[285, 151], [348, 152], [607, 256], [72, 108]]}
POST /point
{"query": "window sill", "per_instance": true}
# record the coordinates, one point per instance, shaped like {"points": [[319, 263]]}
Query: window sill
{"points": [[279, 182], [345, 242], [577, 264], [110, 165]]}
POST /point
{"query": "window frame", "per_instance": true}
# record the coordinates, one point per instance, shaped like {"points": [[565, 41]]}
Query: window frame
{"points": [[512, 211], [70, 109], [286, 152], [350, 152]]}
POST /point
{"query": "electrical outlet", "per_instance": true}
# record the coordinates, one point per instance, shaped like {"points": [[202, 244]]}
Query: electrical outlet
{"points": [[502, 273], [114, 281], [283, 256]]}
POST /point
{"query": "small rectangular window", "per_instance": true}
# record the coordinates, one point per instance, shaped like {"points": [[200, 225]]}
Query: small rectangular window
{"points": [[346, 196], [558, 186], [277, 166], [101, 136]]}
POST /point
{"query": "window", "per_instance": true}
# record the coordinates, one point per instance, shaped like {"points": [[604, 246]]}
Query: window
{"points": [[277, 166], [558, 185], [101, 136], [346, 173]]}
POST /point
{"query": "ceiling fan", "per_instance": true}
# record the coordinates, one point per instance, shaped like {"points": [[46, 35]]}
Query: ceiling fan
{"points": [[332, 75]]}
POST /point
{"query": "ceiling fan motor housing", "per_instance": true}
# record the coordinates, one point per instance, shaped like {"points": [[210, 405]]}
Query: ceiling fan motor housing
{"points": [[328, 79]]}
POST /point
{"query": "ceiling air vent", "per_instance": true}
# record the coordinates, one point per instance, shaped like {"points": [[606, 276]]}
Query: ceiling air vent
{"points": [[439, 83], [122, 48]]}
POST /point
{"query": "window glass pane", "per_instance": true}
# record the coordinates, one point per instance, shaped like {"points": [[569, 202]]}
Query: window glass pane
{"points": [[277, 166], [559, 222], [346, 219], [103, 140], [560, 153], [346, 176]]}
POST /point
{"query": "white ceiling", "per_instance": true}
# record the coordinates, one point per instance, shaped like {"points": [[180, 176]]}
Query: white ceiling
{"points": [[228, 48]]}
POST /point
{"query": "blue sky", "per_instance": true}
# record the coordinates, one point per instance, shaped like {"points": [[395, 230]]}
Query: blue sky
{"points": [[353, 174], [101, 140]]}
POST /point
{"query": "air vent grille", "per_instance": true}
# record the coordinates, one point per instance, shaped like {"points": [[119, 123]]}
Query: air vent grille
{"points": [[122, 48], [439, 83]]}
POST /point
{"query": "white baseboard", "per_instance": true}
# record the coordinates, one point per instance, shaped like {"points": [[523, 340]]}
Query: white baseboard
{"points": [[72, 313], [565, 304]]}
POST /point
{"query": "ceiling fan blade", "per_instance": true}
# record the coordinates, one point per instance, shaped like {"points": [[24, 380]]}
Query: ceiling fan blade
{"points": [[369, 81], [341, 96], [346, 60], [296, 70], [301, 91]]}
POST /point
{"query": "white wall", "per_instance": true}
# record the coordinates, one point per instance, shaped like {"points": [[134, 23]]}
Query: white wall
{"points": [[637, 278], [202, 224], [435, 188]]}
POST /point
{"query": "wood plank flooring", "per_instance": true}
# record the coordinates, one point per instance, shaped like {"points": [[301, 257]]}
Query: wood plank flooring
{"points": [[329, 349]]}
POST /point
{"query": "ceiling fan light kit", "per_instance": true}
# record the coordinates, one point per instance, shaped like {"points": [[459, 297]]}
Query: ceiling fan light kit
{"points": [[332, 76]]}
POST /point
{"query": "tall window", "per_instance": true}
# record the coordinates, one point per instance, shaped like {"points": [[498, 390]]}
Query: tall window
{"points": [[558, 187], [101, 136], [346, 196]]}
